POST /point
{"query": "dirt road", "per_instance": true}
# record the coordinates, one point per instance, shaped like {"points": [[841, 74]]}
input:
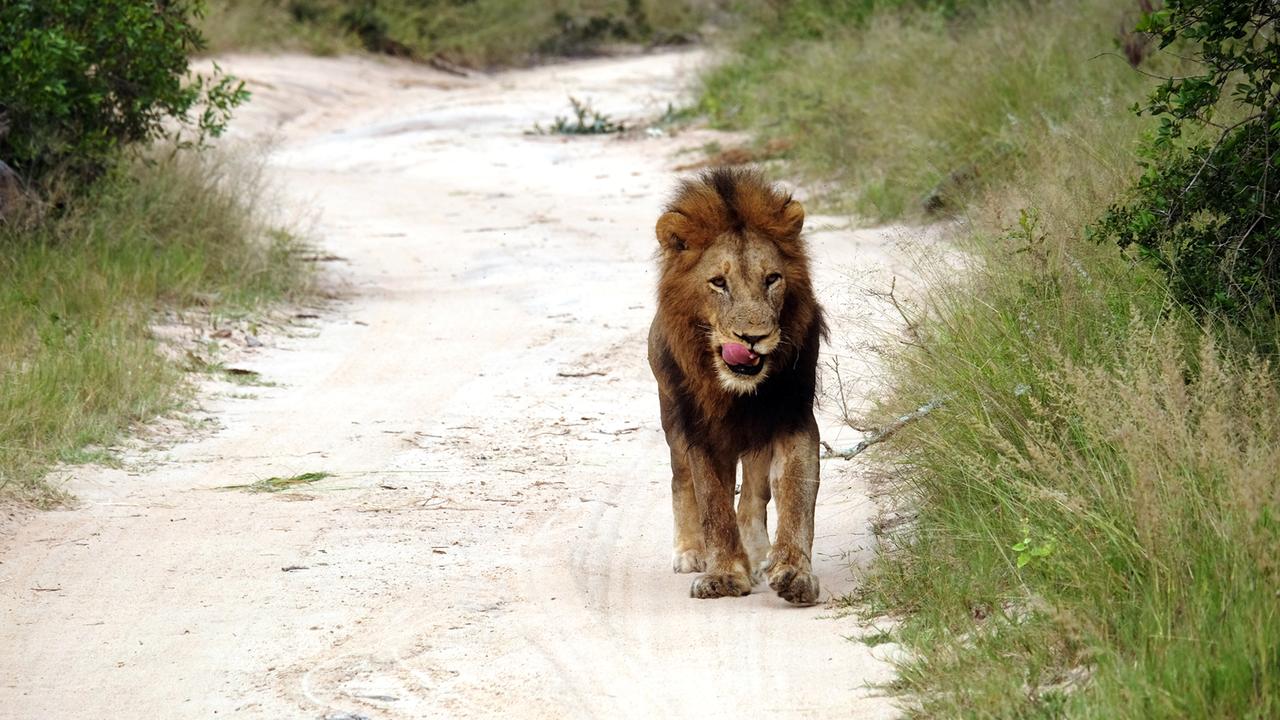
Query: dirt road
{"points": [[495, 537]]}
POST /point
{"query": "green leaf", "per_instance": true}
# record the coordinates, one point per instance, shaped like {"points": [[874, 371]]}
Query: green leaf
{"points": [[1042, 550]]}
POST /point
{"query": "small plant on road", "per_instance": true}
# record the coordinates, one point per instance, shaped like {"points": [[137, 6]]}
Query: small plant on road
{"points": [[586, 121], [278, 484]]}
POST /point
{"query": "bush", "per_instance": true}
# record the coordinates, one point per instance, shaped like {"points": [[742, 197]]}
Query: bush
{"points": [[1205, 209], [474, 33], [80, 79]]}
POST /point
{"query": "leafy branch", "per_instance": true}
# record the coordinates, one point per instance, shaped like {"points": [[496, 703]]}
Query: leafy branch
{"points": [[1204, 209]]}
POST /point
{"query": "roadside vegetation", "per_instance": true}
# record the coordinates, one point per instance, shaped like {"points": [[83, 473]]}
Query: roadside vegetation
{"points": [[484, 33], [1090, 518], [1092, 513], [903, 109], [82, 287], [112, 212]]}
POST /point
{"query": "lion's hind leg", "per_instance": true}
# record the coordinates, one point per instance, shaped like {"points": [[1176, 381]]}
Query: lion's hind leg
{"points": [[753, 514], [690, 550]]}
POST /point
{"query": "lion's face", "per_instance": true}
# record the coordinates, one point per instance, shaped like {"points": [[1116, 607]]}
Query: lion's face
{"points": [[734, 296], [743, 286]]}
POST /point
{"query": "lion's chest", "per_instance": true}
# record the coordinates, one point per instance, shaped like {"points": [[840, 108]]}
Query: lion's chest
{"points": [[745, 424]]}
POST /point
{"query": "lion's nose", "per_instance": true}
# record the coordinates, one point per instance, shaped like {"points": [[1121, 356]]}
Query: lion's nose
{"points": [[751, 339]]}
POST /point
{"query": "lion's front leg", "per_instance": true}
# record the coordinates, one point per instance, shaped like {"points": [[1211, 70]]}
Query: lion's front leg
{"points": [[794, 477], [728, 570]]}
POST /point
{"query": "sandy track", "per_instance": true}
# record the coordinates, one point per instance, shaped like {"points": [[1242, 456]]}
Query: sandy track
{"points": [[496, 536]]}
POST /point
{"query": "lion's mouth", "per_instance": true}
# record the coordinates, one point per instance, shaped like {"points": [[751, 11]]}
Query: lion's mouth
{"points": [[741, 359]]}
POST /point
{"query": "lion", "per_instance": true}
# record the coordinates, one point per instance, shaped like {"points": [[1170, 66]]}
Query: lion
{"points": [[734, 348]]}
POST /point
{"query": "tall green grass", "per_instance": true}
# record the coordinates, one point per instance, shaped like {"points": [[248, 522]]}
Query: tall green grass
{"points": [[914, 110], [1094, 510], [80, 286], [1091, 427]]}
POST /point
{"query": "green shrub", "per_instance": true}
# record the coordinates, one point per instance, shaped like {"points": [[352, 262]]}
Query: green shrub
{"points": [[1205, 209], [80, 79], [476, 33]]}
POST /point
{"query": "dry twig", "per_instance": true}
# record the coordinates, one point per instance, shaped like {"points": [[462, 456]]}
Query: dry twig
{"points": [[882, 434], [913, 329]]}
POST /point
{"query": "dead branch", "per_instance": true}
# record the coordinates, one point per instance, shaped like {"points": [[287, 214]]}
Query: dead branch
{"points": [[913, 329], [834, 364], [882, 434], [443, 65]]}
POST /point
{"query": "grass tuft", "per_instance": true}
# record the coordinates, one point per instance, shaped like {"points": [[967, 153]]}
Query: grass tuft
{"points": [[587, 120], [879, 637], [279, 484]]}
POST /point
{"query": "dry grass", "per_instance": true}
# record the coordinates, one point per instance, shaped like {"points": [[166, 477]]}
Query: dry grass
{"points": [[1091, 416], [277, 484], [1100, 424]]}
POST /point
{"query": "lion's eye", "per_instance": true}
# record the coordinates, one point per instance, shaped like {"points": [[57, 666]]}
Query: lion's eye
{"points": [[771, 279], [719, 282]]}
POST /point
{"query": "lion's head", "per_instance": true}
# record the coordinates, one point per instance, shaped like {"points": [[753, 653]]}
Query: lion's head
{"points": [[735, 279]]}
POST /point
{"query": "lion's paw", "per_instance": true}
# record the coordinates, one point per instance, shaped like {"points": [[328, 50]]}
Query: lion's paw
{"points": [[796, 586], [687, 561], [714, 585]]}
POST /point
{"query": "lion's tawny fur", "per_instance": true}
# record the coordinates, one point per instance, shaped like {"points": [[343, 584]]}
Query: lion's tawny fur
{"points": [[734, 269]]}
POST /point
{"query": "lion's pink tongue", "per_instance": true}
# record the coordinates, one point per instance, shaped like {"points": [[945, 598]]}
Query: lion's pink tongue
{"points": [[736, 354]]}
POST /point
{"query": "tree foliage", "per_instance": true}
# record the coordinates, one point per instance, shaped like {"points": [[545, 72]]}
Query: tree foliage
{"points": [[1205, 208], [80, 79]]}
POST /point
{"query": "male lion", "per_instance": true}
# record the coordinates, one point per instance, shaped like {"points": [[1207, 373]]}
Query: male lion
{"points": [[734, 347]]}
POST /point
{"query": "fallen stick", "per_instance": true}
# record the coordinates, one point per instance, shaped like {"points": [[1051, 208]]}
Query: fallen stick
{"points": [[882, 434]]}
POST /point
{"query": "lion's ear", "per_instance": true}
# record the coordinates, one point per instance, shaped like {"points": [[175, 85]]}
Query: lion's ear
{"points": [[670, 227], [792, 218]]}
